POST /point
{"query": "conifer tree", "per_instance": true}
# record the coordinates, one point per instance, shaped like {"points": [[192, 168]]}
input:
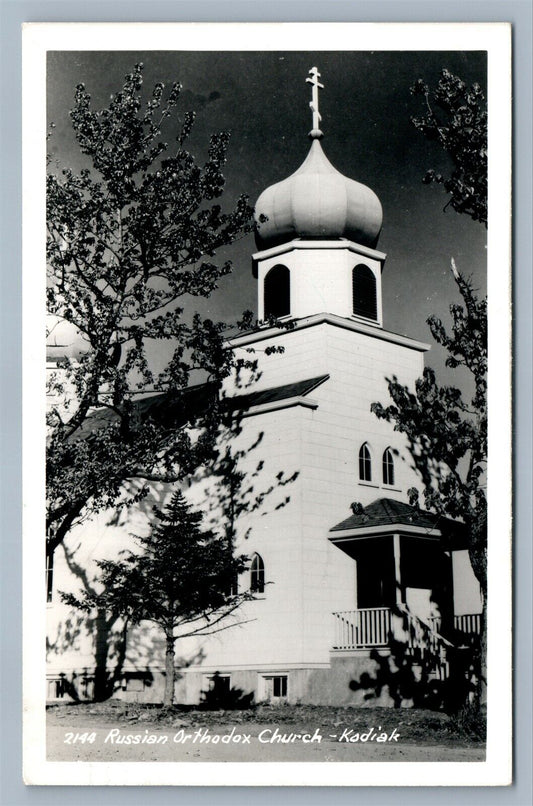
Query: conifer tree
{"points": [[183, 579]]}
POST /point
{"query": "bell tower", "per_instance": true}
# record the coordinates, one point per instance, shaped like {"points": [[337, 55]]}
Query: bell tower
{"points": [[316, 233]]}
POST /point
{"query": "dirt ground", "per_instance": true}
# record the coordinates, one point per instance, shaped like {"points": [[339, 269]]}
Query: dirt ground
{"points": [[118, 731]]}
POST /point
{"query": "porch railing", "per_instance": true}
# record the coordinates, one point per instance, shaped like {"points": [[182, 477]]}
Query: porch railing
{"points": [[423, 636], [359, 629], [470, 623], [371, 627]]}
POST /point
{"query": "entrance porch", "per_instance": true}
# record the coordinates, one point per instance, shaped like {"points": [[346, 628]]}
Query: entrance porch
{"points": [[405, 583]]}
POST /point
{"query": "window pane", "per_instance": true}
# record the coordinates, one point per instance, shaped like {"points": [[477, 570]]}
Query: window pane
{"points": [[365, 465], [257, 574], [364, 292], [277, 290], [388, 467]]}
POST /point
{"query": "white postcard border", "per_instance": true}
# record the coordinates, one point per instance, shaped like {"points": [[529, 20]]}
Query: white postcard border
{"points": [[495, 38]]}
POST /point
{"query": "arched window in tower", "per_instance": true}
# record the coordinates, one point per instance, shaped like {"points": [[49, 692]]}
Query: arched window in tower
{"points": [[388, 467], [277, 291], [364, 292], [365, 463], [257, 574]]}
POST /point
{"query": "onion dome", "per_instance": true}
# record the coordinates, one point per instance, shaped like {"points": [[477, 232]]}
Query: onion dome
{"points": [[317, 201], [63, 340]]}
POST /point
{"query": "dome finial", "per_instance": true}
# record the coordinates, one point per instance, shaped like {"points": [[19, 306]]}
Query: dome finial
{"points": [[315, 133]]}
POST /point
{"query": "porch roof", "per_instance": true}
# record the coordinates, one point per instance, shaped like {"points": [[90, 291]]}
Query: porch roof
{"points": [[385, 516]]}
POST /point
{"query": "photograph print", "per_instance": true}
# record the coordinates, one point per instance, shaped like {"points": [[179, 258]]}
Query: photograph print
{"points": [[266, 406]]}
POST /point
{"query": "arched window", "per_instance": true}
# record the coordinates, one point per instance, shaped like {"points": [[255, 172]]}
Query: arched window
{"points": [[364, 292], [388, 467], [257, 574], [365, 463], [277, 291]]}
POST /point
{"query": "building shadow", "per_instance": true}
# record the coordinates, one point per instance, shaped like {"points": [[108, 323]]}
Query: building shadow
{"points": [[432, 672]]}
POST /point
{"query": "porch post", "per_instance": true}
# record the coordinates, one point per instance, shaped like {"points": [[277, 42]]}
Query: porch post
{"points": [[397, 571]]}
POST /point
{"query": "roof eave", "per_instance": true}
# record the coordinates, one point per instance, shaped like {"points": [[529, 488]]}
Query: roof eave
{"points": [[361, 532], [368, 329]]}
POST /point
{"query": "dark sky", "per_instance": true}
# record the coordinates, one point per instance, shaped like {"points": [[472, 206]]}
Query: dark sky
{"points": [[263, 100]]}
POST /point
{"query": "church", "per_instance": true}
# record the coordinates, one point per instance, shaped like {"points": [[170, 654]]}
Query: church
{"points": [[350, 582]]}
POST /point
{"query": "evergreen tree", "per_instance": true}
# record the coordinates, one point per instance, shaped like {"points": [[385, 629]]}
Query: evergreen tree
{"points": [[184, 580]]}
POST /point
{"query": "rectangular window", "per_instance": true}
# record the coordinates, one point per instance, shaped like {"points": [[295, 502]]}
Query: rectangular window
{"points": [[279, 686], [275, 687]]}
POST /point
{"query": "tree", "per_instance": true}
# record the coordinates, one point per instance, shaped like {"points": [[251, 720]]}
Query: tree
{"points": [[447, 435], [130, 235], [183, 580], [456, 118], [446, 428]]}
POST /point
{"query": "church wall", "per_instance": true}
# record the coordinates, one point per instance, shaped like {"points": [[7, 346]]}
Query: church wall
{"points": [[275, 616], [337, 428], [330, 440], [303, 356], [72, 637], [337, 685], [276, 535], [289, 628]]}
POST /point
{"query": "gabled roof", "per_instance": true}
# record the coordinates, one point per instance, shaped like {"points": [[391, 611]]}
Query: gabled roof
{"points": [[169, 409], [272, 395], [380, 515], [174, 409]]}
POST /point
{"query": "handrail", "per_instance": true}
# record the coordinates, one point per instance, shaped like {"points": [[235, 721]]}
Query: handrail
{"points": [[416, 619], [369, 627], [360, 610]]}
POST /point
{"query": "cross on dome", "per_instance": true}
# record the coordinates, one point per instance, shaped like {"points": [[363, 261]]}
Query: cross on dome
{"points": [[317, 201], [315, 132]]}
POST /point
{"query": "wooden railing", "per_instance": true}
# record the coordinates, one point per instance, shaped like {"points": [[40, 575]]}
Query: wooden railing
{"points": [[423, 636], [360, 629], [470, 623], [373, 627]]}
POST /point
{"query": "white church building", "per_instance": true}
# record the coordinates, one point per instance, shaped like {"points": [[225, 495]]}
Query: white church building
{"points": [[338, 585]]}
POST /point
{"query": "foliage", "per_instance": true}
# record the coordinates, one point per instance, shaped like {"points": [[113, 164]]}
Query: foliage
{"points": [[184, 580], [456, 118], [446, 431], [447, 435], [130, 235], [470, 722]]}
